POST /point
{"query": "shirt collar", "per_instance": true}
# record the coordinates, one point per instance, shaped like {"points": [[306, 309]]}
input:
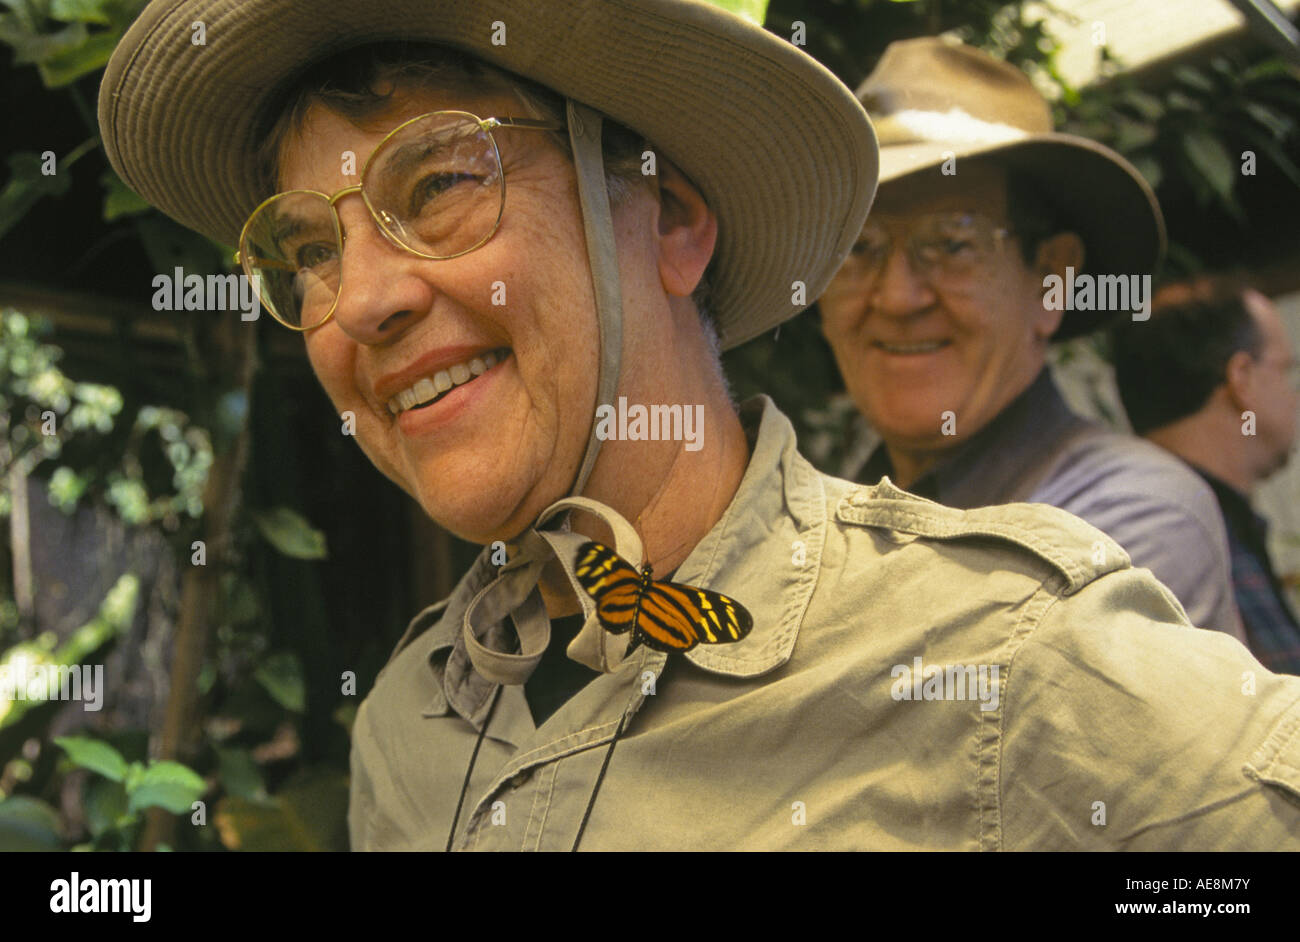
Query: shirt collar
{"points": [[976, 472], [765, 551], [1235, 505]]}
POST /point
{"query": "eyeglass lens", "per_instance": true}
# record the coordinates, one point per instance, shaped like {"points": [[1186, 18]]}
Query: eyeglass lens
{"points": [[942, 247], [434, 187]]}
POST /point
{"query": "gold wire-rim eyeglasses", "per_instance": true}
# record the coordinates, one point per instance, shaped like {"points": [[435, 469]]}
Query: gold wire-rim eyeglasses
{"points": [[485, 125], [857, 272]]}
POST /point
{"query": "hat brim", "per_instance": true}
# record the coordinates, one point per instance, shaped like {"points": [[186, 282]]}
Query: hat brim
{"points": [[1103, 196], [781, 150]]}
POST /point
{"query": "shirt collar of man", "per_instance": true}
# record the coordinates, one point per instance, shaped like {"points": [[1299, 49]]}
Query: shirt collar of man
{"points": [[765, 552], [1010, 447], [1237, 511]]}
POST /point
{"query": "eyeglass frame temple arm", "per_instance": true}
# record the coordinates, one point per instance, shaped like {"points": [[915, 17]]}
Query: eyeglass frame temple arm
{"points": [[524, 123]]}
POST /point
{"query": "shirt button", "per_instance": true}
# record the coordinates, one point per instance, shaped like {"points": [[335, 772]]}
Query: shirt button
{"points": [[519, 778]]}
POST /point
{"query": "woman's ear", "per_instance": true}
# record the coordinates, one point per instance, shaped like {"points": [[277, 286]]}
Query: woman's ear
{"points": [[688, 231]]}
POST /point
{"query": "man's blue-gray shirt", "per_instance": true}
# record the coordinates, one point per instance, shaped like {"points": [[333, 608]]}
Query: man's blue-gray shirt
{"points": [[1147, 501]]}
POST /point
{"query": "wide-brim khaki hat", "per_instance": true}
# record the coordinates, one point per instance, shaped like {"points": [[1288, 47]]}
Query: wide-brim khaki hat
{"points": [[782, 151], [932, 99]]}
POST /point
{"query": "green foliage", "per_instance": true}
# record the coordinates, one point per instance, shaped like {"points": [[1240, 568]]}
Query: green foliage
{"points": [[31, 388], [32, 385], [119, 199], [281, 676], [752, 10], [167, 785], [289, 533], [96, 756], [28, 824], [114, 801], [112, 620], [65, 39], [26, 187], [1197, 128]]}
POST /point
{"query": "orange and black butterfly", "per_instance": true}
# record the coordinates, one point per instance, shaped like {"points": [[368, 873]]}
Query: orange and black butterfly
{"points": [[666, 616]]}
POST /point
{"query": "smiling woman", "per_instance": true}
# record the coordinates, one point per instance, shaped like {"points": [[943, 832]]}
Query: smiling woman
{"points": [[730, 596]]}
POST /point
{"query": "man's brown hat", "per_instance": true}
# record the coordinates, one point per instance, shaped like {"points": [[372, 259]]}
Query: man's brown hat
{"points": [[931, 100]]}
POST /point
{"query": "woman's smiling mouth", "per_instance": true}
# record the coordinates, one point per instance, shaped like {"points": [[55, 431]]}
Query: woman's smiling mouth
{"points": [[428, 390]]}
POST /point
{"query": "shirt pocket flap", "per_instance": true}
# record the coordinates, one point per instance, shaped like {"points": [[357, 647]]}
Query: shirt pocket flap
{"points": [[1277, 761]]}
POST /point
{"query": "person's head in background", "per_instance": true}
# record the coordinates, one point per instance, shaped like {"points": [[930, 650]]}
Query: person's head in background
{"points": [[1211, 377], [939, 318], [940, 307]]}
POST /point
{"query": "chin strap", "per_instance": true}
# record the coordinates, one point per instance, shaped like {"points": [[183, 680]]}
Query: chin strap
{"points": [[602, 253], [514, 593]]}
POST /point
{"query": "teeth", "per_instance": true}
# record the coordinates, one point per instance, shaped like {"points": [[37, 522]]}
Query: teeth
{"points": [[430, 388]]}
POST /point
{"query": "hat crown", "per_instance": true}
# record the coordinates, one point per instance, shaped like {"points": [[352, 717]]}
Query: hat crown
{"points": [[931, 76]]}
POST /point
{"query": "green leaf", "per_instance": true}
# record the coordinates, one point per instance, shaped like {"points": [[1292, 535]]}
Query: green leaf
{"points": [[289, 533], [1280, 125], [69, 64], [167, 785], [80, 11], [105, 806], [1193, 78], [1132, 135], [27, 824], [119, 199], [26, 186], [134, 773], [34, 48], [1211, 160], [281, 676], [94, 755], [240, 775], [1279, 159], [753, 10], [1147, 105], [1149, 167]]}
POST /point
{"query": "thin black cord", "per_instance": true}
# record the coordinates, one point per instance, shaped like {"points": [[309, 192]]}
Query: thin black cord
{"points": [[451, 835], [591, 802]]}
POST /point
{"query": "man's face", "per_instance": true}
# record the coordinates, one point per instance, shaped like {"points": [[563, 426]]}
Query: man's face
{"points": [[1273, 390], [488, 456], [911, 349]]}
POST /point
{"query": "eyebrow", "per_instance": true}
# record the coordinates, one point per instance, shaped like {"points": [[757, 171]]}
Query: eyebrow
{"points": [[408, 155], [289, 225]]}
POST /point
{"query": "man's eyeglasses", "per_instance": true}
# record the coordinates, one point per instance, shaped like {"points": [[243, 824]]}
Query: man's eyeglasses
{"points": [[434, 187], [942, 248]]}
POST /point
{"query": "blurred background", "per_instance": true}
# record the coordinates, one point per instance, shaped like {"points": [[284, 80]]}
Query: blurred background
{"points": [[194, 520]]}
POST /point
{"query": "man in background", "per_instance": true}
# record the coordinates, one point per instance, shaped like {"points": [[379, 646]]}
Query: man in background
{"points": [[1212, 379], [941, 317]]}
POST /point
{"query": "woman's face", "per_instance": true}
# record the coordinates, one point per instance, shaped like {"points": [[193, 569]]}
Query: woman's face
{"points": [[485, 458]]}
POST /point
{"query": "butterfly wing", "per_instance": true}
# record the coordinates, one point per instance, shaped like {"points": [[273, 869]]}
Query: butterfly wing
{"points": [[677, 617], [666, 616], [612, 582]]}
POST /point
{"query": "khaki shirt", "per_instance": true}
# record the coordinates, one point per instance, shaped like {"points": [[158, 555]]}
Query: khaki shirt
{"points": [[1073, 704]]}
